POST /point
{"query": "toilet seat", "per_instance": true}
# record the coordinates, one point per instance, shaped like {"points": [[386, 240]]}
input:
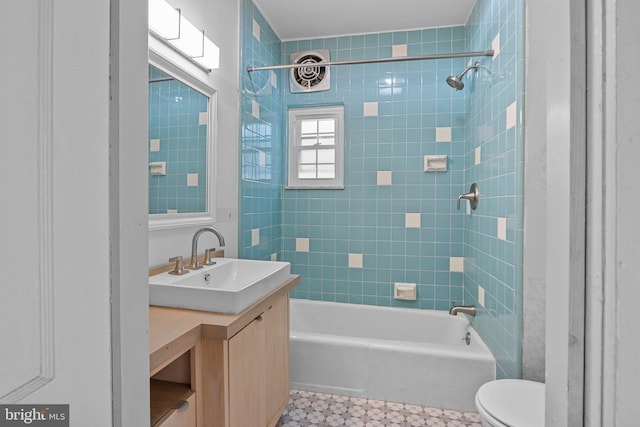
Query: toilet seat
{"points": [[512, 403]]}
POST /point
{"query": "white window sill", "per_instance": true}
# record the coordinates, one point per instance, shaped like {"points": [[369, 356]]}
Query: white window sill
{"points": [[314, 187]]}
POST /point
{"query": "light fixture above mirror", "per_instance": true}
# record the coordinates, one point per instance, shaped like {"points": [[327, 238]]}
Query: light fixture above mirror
{"points": [[168, 25]]}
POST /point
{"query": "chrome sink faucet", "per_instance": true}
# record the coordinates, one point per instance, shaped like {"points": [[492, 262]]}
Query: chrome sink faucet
{"points": [[466, 309], [195, 265]]}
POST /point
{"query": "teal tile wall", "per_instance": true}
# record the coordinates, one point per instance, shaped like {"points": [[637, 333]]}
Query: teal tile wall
{"points": [[174, 110], [493, 257], [261, 161], [369, 219]]}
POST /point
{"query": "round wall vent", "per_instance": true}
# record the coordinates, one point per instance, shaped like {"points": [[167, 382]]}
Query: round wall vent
{"points": [[311, 77]]}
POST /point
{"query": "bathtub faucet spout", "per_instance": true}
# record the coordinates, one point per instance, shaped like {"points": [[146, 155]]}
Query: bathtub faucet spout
{"points": [[466, 309]]}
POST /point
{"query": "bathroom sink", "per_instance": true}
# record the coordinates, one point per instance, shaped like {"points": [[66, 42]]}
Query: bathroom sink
{"points": [[229, 286]]}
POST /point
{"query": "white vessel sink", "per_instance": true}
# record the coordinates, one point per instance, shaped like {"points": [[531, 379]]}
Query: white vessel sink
{"points": [[229, 286]]}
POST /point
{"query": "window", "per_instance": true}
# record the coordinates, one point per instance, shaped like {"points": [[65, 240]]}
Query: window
{"points": [[316, 147]]}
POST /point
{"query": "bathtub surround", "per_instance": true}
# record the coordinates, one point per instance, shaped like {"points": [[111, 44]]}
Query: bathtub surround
{"points": [[399, 218], [494, 159], [262, 147], [394, 222]]}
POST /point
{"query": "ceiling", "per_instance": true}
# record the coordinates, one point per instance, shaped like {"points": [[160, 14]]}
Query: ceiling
{"points": [[299, 19]]}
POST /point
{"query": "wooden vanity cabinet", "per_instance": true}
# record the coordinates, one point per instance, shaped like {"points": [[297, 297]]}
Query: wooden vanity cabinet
{"points": [[259, 368], [173, 400], [237, 365], [276, 324]]}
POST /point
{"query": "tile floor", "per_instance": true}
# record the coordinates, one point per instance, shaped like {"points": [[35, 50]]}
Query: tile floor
{"points": [[319, 409]]}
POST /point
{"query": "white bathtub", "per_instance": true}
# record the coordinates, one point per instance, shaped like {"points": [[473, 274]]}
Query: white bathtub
{"points": [[397, 354]]}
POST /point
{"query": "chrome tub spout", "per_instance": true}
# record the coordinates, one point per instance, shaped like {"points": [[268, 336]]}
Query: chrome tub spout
{"points": [[466, 309]]}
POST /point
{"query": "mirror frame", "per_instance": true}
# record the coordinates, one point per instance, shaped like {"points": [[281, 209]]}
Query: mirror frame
{"points": [[179, 220]]}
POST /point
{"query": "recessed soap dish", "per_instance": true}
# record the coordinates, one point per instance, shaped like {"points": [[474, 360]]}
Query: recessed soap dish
{"points": [[435, 163]]}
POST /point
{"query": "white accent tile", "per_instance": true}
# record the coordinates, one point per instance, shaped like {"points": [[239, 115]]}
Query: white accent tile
{"points": [[274, 79], [370, 109], [412, 220], [512, 111], [154, 145], [398, 50], [256, 30], [443, 134], [255, 108], [262, 159], [495, 45], [385, 177], [192, 180], [478, 154], [481, 296], [468, 209], [172, 211], [502, 228], [203, 118], [456, 264], [274, 256], [302, 244], [356, 261], [255, 237]]}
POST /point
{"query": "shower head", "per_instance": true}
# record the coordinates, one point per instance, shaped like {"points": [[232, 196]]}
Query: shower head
{"points": [[456, 81]]}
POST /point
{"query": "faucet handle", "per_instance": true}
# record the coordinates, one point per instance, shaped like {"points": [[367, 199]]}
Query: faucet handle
{"points": [[178, 270], [472, 196], [208, 255]]}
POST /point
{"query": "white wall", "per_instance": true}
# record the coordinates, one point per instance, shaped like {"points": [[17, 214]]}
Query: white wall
{"points": [[592, 319], [535, 191], [129, 297], [220, 19], [555, 197], [613, 370]]}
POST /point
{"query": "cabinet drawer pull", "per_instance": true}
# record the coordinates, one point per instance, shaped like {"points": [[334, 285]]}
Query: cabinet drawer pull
{"points": [[181, 405], [259, 318]]}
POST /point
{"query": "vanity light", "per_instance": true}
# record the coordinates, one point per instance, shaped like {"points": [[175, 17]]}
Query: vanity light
{"points": [[191, 40], [164, 20], [170, 26], [210, 55]]}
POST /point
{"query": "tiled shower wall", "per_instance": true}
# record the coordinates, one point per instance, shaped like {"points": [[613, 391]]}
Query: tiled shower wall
{"points": [[261, 140], [393, 223], [494, 159]]}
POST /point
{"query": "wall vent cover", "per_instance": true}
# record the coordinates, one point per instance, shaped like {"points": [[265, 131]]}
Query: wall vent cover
{"points": [[311, 77]]}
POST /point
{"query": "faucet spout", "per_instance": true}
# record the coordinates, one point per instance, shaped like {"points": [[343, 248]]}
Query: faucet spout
{"points": [[466, 309], [195, 265]]}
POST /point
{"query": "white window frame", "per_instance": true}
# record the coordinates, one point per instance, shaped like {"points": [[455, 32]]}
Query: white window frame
{"points": [[296, 116]]}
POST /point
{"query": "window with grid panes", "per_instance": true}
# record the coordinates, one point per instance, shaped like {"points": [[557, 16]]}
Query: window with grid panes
{"points": [[316, 147]]}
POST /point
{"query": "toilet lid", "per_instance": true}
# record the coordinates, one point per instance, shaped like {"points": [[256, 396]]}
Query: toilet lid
{"points": [[516, 403]]}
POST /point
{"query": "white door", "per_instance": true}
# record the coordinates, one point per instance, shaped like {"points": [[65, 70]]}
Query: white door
{"points": [[54, 207]]}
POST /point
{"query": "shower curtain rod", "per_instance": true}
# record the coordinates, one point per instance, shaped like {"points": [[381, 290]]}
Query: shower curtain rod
{"points": [[372, 61]]}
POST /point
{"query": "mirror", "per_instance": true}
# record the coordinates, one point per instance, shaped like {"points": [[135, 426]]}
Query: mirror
{"points": [[180, 148]]}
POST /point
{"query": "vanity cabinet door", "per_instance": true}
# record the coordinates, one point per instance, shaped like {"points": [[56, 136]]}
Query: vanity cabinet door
{"points": [[247, 375], [276, 325]]}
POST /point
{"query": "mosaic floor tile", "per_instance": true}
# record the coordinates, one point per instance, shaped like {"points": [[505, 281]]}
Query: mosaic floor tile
{"points": [[320, 409]]}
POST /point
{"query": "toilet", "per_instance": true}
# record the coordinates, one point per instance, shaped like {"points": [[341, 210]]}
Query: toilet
{"points": [[511, 403]]}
